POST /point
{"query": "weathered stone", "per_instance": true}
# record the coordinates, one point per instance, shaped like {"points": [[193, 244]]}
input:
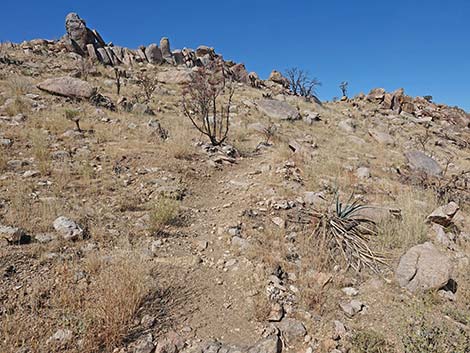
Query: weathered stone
{"points": [[204, 50], [382, 137], [68, 229], [444, 214], [363, 173], [277, 109], [175, 76], [240, 73], [423, 163], [278, 78], [352, 308], [423, 267], [92, 52], [78, 33], [292, 329], [154, 54], [68, 87], [13, 235], [347, 125], [376, 94], [103, 56], [165, 47]]}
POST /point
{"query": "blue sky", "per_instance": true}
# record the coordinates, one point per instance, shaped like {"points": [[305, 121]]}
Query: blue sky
{"points": [[422, 46]]}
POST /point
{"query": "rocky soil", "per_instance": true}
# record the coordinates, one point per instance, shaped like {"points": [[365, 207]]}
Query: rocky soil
{"points": [[123, 230]]}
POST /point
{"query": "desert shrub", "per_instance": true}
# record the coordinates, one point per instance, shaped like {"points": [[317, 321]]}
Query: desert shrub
{"points": [[343, 236], [204, 104], [343, 86], [301, 83], [74, 116], [147, 84], [369, 341], [164, 213]]}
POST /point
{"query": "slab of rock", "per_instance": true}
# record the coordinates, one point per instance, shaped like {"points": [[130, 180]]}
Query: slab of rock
{"points": [[68, 87], [292, 329], [382, 137], [444, 214], [424, 267], [347, 125], [271, 344], [278, 110], [174, 76], [420, 162], [68, 229]]}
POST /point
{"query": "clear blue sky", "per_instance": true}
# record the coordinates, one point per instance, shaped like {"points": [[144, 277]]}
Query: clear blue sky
{"points": [[423, 46]]}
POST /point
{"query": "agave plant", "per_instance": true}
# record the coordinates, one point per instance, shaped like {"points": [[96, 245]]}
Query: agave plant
{"points": [[347, 236]]}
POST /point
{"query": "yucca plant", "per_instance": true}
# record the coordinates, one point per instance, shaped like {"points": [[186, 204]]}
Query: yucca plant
{"points": [[347, 236]]}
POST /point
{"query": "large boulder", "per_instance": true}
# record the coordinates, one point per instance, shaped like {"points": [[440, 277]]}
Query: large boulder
{"points": [[240, 73], [68, 87], [278, 110], [278, 78], [444, 214], [154, 54], [165, 47], [419, 161], [78, 34], [424, 267], [175, 76]]}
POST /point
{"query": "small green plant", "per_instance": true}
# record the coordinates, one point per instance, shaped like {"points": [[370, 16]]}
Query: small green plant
{"points": [[73, 115], [345, 235], [369, 341], [164, 213]]}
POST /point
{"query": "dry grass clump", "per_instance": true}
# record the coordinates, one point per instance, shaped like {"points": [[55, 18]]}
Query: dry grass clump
{"points": [[17, 87], [3, 160], [410, 229], [164, 213], [98, 309], [119, 288], [180, 142], [40, 150]]}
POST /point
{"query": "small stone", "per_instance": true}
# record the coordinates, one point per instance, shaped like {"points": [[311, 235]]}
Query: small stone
{"points": [[61, 336], [340, 330], [350, 291], [352, 308], [279, 222], [68, 229], [444, 214], [13, 235]]}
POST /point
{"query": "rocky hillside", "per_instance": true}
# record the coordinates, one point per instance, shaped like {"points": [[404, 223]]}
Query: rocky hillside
{"points": [[296, 225]]}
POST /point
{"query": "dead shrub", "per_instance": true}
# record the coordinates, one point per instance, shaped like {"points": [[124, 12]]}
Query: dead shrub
{"points": [[203, 102]]}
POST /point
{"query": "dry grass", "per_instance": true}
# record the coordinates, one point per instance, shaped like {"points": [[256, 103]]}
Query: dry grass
{"points": [[40, 150], [164, 213], [99, 311], [411, 229]]}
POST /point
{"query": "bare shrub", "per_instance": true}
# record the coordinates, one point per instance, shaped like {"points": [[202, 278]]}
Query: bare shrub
{"points": [[301, 83], [85, 67], [147, 83], [343, 86], [206, 102]]}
